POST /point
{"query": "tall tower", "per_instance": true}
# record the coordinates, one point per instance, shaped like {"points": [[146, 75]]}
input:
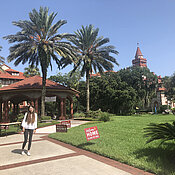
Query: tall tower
{"points": [[139, 60]]}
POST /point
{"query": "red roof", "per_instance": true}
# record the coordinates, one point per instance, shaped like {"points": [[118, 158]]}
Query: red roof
{"points": [[34, 82], [138, 52], [99, 75], [4, 74], [11, 70], [7, 74]]}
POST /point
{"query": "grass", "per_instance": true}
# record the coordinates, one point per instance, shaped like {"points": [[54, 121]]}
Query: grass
{"points": [[122, 139]]}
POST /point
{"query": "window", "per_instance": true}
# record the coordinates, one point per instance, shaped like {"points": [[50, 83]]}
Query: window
{"points": [[15, 73]]}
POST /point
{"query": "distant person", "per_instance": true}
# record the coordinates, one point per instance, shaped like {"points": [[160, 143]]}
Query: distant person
{"points": [[29, 125]]}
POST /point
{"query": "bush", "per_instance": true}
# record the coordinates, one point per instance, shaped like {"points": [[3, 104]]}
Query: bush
{"points": [[97, 115], [105, 117], [94, 114], [20, 117], [162, 108], [79, 115], [46, 118], [173, 110]]}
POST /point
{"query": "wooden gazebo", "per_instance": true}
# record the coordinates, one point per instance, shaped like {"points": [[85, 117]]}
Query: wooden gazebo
{"points": [[30, 89]]}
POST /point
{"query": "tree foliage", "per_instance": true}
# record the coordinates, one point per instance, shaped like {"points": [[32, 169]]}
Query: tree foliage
{"points": [[110, 94], [169, 83], [1, 58], [163, 132], [93, 54], [31, 71], [38, 42], [67, 80], [143, 81]]}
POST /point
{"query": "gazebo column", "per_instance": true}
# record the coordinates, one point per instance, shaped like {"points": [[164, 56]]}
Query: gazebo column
{"points": [[0, 111], [14, 108], [6, 112], [71, 108], [62, 106], [32, 102], [17, 108], [36, 105]]}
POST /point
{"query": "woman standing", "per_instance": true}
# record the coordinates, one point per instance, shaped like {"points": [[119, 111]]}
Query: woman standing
{"points": [[29, 125]]}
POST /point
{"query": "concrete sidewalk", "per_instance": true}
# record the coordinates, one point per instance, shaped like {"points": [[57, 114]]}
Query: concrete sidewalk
{"points": [[50, 157], [52, 129]]}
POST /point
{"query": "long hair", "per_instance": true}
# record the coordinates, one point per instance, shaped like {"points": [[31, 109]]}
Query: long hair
{"points": [[30, 118]]}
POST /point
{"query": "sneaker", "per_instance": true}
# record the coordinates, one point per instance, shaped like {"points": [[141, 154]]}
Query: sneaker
{"points": [[28, 153], [22, 152]]}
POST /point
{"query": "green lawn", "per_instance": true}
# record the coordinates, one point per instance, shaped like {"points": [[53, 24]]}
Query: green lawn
{"points": [[122, 139]]}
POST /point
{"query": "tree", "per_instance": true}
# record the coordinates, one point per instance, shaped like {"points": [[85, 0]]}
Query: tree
{"points": [[92, 54], [169, 83], [67, 79], [109, 94], [38, 42], [1, 58], [143, 81], [31, 71]]}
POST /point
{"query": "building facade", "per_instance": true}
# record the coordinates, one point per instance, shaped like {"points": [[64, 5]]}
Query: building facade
{"points": [[9, 76], [160, 98]]}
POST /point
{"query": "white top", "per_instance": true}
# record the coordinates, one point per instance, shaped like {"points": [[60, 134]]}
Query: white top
{"points": [[30, 125]]}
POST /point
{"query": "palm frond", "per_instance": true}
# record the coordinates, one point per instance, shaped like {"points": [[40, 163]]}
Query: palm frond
{"points": [[163, 132]]}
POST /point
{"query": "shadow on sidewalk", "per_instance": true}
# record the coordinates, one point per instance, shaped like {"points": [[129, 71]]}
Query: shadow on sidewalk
{"points": [[16, 151]]}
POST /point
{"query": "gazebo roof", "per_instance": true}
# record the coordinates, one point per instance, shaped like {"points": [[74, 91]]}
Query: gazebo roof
{"points": [[35, 82]]}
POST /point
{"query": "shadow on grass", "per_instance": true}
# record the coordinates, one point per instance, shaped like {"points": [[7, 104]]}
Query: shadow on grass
{"points": [[82, 145], [163, 156]]}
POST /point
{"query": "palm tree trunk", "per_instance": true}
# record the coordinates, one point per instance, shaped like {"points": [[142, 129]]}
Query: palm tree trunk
{"points": [[87, 91], [43, 95]]}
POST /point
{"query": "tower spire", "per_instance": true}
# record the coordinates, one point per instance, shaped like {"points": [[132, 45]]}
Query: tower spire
{"points": [[139, 60]]}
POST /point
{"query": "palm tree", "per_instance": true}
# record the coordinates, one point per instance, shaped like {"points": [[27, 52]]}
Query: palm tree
{"points": [[162, 131], [38, 42], [1, 58], [93, 55], [31, 71]]}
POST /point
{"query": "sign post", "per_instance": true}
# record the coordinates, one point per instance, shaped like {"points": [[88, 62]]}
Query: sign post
{"points": [[92, 133]]}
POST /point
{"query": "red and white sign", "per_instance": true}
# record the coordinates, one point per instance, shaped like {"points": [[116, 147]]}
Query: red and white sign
{"points": [[67, 122], [92, 133]]}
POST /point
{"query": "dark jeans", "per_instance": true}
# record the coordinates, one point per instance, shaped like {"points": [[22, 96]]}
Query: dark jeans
{"points": [[26, 133]]}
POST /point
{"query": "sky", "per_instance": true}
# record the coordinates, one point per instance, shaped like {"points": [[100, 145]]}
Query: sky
{"points": [[151, 23]]}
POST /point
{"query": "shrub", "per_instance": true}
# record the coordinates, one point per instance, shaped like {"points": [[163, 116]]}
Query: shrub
{"points": [[173, 110], [79, 115], [46, 118], [105, 117], [162, 108], [94, 114], [20, 117]]}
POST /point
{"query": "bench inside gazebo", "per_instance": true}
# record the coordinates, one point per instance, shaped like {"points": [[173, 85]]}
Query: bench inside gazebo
{"points": [[29, 90]]}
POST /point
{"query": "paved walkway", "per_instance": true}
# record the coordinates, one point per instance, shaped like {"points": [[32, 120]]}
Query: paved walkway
{"points": [[50, 157]]}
